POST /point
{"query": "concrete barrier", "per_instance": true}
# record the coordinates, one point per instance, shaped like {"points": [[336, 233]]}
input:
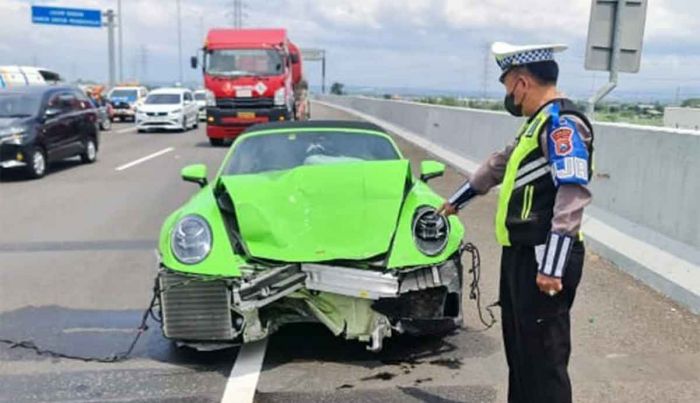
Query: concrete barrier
{"points": [[646, 185]]}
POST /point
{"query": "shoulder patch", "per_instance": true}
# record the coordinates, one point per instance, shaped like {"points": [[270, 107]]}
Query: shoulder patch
{"points": [[562, 138]]}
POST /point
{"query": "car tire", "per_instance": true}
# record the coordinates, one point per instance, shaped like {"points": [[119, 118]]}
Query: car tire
{"points": [[36, 163], [196, 123], [216, 142], [90, 154], [140, 131], [183, 126], [106, 125]]}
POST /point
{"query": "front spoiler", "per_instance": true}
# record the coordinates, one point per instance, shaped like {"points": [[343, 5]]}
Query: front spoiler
{"points": [[359, 304]]}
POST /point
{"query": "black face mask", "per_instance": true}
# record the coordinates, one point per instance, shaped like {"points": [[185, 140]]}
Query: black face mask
{"points": [[511, 107]]}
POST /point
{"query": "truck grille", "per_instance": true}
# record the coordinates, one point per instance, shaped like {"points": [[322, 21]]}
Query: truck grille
{"points": [[244, 103], [195, 310]]}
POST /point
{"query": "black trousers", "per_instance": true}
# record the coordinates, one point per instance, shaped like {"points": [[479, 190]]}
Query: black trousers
{"points": [[536, 327]]}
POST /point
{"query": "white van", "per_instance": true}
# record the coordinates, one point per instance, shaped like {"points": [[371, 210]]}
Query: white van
{"points": [[15, 76]]}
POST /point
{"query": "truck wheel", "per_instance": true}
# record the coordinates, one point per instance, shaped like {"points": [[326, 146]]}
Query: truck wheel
{"points": [[36, 163], [90, 154], [216, 142]]}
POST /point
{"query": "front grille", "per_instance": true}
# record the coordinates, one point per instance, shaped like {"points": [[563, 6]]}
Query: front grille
{"points": [[157, 113], [121, 105], [195, 309], [244, 103]]}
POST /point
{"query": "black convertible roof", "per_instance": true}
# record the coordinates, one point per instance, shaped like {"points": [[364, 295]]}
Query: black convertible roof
{"points": [[326, 124]]}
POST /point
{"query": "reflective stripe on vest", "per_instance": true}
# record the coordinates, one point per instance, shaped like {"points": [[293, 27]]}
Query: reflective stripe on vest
{"points": [[528, 141]]}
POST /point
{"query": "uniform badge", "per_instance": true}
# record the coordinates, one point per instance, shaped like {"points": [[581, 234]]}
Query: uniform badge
{"points": [[563, 141]]}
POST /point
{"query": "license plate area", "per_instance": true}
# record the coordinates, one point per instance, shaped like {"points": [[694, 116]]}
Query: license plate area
{"points": [[246, 115]]}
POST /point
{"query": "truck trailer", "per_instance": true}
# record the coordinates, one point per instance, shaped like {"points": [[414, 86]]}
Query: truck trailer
{"points": [[255, 76]]}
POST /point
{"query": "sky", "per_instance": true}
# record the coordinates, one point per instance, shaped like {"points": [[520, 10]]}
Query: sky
{"points": [[439, 45]]}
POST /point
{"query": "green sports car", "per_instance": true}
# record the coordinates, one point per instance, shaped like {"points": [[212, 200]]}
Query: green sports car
{"points": [[317, 221]]}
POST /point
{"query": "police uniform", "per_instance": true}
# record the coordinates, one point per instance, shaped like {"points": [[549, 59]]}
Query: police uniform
{"points": [[543, 175]]}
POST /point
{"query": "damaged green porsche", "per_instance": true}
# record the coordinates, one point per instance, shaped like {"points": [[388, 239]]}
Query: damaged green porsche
{"points": [[317, 221]]}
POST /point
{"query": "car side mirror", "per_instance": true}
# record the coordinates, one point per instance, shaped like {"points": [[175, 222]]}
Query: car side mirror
{"points": [[196, 173], [193, 62], [430, 170], [52, 113], [294, 57]]}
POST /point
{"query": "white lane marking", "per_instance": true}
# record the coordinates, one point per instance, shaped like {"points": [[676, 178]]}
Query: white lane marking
{"points": [[243, 380], [128, 129], [146, 158]]}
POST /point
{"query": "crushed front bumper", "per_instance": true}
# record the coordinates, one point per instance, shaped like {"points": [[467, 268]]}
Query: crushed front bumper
{"points": [[358, 304]]}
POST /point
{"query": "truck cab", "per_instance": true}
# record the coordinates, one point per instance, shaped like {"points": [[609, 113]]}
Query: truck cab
{"points": [[252, 74]]}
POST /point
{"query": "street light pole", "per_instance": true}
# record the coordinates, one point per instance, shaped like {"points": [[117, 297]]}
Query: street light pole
{"points": [[179, 42], [109, 15], [120, 26]]}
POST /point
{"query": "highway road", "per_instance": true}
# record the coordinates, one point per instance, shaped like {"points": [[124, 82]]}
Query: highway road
{"points": [[76, 267]]}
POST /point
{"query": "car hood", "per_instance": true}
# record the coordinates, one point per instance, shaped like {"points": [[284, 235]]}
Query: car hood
{"points": [[6, 123], [320, 213]]}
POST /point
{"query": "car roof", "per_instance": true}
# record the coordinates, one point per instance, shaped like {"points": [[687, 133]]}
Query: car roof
{"points": [[319, 124], [38, 89]]}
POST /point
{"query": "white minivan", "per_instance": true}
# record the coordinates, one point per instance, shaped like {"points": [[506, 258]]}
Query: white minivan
{"points": [[167, 108], [19, 76]]}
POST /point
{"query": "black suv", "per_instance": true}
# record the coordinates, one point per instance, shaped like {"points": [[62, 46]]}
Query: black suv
{"points": [[39, 125]]}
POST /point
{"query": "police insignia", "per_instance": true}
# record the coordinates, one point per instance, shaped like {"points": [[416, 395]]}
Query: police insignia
{"points": [[563, 140]]}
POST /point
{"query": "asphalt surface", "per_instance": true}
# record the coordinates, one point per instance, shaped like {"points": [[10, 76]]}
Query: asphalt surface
{"points": [[76, 267]]}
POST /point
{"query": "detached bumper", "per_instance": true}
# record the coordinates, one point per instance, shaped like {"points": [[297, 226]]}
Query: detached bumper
{"points": [[358, 304], [229, 123]]}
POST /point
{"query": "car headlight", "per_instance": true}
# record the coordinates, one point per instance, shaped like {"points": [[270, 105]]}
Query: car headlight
{"points": [[191, 239], [13, 135], [280, 96], [175, 112], [430, 231]]}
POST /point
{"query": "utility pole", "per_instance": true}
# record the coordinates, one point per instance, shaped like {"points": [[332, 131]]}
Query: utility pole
{"points": [[179, 42], [109, 15], [237, 15], [120, 27], [144, 63]]}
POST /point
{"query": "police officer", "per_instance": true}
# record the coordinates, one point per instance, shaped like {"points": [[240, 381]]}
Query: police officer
{"points": [[543, 175]]}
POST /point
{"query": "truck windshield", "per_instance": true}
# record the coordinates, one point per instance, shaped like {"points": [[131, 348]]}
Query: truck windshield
{"points": [[259, 62], [162, 99], [200, 96], [18, 105], [127, 95]]}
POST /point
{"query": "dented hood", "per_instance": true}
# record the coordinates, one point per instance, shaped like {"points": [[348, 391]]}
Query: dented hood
{"points": [[321, 212]]}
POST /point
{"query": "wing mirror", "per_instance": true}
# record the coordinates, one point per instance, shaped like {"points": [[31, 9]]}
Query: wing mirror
{"points": [[196, 173], [52, 112], [430, 170], [193, 62], [294, 57]]}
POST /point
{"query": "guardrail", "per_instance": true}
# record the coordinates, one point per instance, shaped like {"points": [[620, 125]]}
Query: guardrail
{"points": [[646, 183]]}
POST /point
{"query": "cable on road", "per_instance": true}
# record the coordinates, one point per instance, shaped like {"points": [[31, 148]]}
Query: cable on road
{"points": [[475, 291], [141, 329]]}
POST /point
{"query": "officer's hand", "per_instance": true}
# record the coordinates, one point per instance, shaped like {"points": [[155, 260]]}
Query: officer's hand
{"points": [[447, 209], [547, 284]]}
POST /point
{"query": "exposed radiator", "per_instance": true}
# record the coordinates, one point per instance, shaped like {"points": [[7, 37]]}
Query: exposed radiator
{"points": [[195, 310]]}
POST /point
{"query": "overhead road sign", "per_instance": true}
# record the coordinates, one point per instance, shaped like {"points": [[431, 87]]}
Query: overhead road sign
{"points": [[75, 17], [313, 54]]}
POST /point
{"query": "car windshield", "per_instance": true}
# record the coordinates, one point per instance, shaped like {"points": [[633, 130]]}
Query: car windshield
{"points": [[274, 152], [129, 95], [18, 105], [200, 96], [262, 62], [163, 99]]}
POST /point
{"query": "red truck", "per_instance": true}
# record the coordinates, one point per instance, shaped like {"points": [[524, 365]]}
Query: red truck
{"points": [[255, 76]]}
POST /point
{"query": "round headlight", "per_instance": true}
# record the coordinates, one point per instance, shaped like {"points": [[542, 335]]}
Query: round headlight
{"points": [[430, 231], [191, 239]]}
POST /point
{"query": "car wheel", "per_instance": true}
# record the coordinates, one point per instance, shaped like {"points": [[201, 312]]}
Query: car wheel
{"points": [[216, 142], [106, 125], [140, 130], [36, 163], [90, 154], [196, 123]]}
